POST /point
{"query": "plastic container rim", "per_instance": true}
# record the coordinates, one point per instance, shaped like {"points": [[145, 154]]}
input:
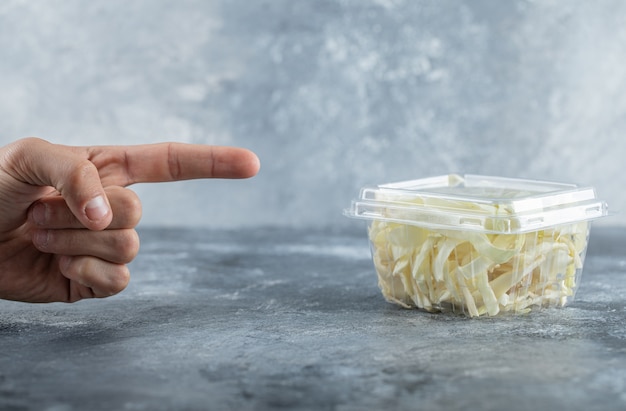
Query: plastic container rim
{"points": [[530, 205]]}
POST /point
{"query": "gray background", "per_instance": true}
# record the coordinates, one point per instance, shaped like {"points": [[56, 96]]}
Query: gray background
{"points": [[332, 95]]}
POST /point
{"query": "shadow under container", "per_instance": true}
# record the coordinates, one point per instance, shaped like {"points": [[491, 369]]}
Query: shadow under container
{"points": [[478, 245]]}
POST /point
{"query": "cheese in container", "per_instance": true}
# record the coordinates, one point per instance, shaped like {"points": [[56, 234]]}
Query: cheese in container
{"points": [[478, 245]]}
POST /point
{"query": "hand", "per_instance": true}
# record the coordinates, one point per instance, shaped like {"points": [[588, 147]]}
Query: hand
{"points": [[66, 220]]}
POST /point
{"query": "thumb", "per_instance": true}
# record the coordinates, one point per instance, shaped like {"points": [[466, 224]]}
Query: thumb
{"points": [[39, 163]]}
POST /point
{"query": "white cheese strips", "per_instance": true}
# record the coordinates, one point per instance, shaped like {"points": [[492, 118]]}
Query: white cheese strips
{"points": [[477, 273]]}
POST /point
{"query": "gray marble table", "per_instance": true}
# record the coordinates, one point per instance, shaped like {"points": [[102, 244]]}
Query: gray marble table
{"points": [[293, 319]]}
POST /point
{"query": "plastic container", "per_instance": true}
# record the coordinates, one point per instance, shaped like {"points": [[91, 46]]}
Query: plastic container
{"points": [[478, 245]]}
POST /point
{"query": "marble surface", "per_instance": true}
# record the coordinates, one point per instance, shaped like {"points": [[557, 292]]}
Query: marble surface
{"points": [[292, 319]]}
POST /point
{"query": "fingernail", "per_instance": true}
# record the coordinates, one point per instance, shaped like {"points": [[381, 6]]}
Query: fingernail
{"points": [[96, 208], [41, 238], [39, 213]]}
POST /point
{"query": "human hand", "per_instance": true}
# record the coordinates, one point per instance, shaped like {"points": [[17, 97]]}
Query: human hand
{"points": [[66, 220]]}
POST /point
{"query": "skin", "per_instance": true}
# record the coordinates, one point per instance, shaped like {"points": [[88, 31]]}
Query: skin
{"points": [[67, 225]]}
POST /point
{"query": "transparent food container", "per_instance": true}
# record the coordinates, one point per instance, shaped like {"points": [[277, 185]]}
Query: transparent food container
{"points": [[478, 245]]}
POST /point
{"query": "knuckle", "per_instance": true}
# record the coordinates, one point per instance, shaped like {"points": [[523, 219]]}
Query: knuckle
{"points": [[13, 154], [111, 278], [25, 144], [132, 207], [80, 170], [173, 162], [127, 208], [127, 245], [118, 280], [75, 266]]}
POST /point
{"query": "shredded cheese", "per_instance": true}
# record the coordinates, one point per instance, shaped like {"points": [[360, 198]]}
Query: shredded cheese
{"points": [[476, 273]]}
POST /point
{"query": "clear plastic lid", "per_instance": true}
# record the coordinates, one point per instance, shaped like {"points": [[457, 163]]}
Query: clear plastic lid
{"points": [[478, 203]]}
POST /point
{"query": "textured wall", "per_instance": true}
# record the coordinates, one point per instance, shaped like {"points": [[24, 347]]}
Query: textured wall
{"points": [[332, 95]]}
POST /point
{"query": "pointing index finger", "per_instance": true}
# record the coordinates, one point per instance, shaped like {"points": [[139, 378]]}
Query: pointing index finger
{"points": [[162, 162]]}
